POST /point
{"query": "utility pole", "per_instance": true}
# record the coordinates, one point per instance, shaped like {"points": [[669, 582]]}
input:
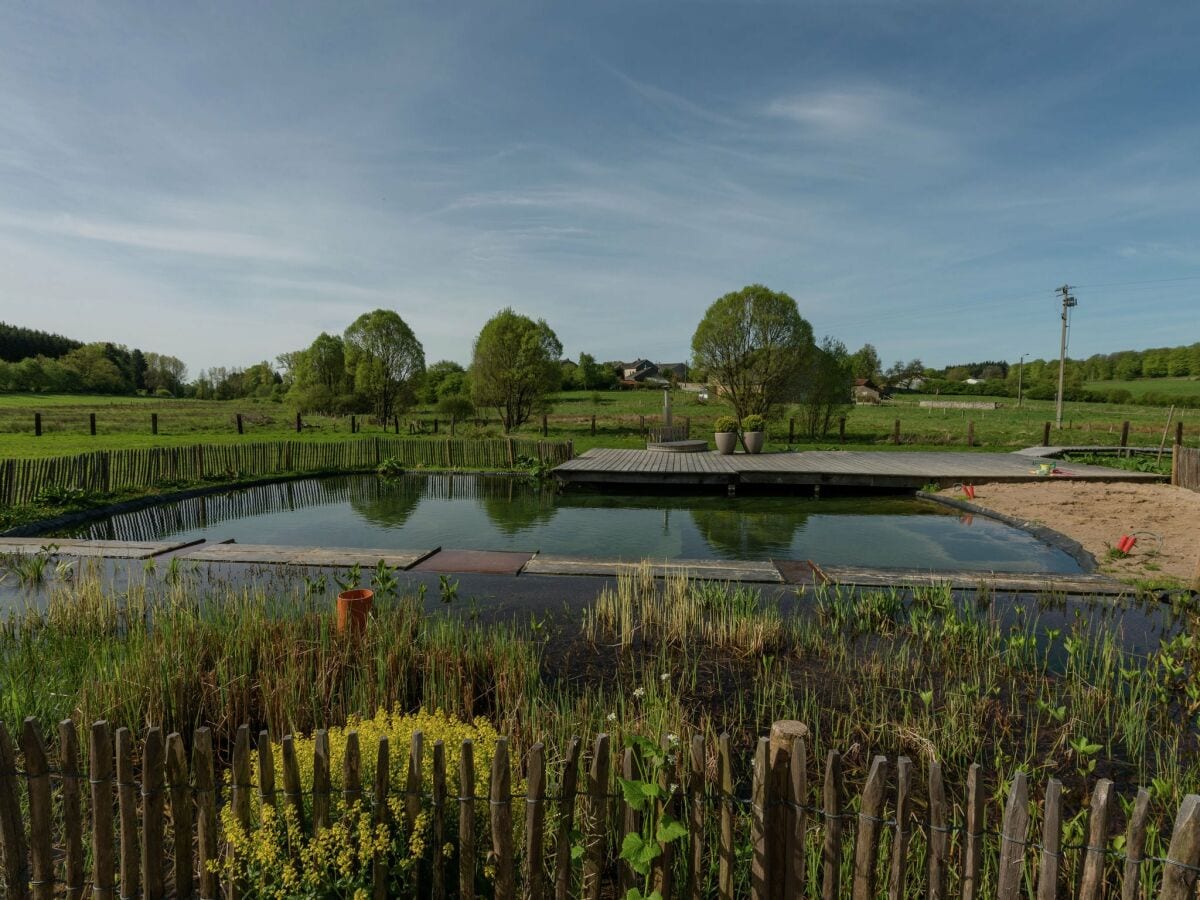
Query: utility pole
{"points": [[1067, 302], [1020, 379]]}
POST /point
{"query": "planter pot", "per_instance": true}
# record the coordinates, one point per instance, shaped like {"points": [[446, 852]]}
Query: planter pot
{"points": [[726, 442], [754, 440], [353, 607]]}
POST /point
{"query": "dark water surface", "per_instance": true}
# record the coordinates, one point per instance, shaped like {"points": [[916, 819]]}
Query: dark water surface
{"points": [[506, 513]]}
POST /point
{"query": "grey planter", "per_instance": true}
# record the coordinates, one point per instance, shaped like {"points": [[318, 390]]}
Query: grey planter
{"points": [[754, 440], [726, 442]]}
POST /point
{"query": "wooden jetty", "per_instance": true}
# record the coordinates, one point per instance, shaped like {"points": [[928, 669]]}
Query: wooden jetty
{"points": [[835, 468]]}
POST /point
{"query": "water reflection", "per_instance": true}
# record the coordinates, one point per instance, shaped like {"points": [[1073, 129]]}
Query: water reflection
{"points": [[423, 511]]}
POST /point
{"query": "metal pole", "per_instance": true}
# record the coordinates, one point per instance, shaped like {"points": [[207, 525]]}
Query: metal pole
{"points": [[1021, 380], [1067, 302]]}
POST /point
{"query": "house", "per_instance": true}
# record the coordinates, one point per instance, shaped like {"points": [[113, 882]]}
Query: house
{"points": [[866, 391], [678, 370], [638, 370]]}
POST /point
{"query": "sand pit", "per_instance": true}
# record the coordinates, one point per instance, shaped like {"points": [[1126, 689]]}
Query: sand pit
{"points": [[1097, 515]]}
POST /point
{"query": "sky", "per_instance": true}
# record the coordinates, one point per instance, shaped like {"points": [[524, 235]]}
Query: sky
{"points": [[222, 182]]}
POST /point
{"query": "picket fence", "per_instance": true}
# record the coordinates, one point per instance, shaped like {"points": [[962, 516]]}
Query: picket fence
{"points": [[106, 471], [134, 854], [1185, 468]]}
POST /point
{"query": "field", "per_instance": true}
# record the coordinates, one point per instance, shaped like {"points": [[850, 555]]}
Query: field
{"points": [[125, 422], [1187, 389]]}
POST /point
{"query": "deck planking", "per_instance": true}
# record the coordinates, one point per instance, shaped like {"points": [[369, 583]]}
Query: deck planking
{"points": [[30, 546], [846, 468]]}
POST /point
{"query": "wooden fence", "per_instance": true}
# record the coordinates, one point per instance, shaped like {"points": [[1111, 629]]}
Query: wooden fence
{"points": [[1185, 468], [106, 471], [157, 836]]}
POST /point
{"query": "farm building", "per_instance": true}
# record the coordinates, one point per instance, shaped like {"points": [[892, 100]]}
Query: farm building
{"points": [[866, 391]]}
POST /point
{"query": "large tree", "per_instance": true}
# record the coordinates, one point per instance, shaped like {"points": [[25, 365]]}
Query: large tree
{"points": [[755, 346], [384, 357], [826, 387], [865, 362], [515, 366]]}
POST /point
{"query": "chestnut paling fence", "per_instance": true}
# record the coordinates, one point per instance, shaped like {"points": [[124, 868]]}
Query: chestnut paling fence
{"points": [[1185, 469], [105, 471], [153, 829]]}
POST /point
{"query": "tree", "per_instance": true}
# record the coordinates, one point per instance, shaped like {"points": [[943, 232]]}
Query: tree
{"points": [[436, 377], [826, 387], [755, 345], [865, 363], [137, 362], [903, 374], [514, 366], [592, 374], [385, 358]]}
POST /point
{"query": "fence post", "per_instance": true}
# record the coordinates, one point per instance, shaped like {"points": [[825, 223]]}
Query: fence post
{"points": [[939, 836], [438, 863], [1011, 867], [37, 424], [1046, 435], [759, 799], [435, 426], [971, 433], [841, 429], [127, 811], [466, 821], [12, 828], [593, 424], [1125, 433], [973, 846], [1135, 845], [726, 797], [92, 424], [694, 888], [501, 809], [153, 764], [896, 432], [566, 821], [1091, 882], [545, 426], [791, 431], [535, 822], [206, 811], [379, 865], [412, 792], [239, 423], [320, 802], [154, 423], [351, 770], [831, 852], [291, 778], [1051, 842], [866, 847], [596, 823], [1179, 881], [100, 774], [68, 758], [37, 778], [899, 870], [181, 812]]}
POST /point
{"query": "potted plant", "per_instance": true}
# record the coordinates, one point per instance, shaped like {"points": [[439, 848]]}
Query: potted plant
{"points": [[726, 434], [753, 433]]}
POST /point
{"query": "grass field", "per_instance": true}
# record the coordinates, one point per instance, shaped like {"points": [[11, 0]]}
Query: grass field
{"points": [[1187, 389], [125, 422]]}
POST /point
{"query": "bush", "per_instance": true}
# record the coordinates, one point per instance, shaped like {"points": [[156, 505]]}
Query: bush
{"points": [[725, 424], [753, 423], [337, 861]]}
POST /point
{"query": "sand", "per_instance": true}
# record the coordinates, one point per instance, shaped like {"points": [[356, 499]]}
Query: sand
{"points": [[1096, 515]]}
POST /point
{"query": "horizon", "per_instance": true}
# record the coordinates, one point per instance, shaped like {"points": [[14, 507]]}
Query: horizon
{"points": [[223, 184]]}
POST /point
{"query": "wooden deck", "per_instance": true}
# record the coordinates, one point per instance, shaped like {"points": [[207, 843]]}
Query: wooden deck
{"points": [[838, 468]]}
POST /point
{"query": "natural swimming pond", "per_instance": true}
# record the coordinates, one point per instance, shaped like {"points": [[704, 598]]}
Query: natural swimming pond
{"points": [[418, 511]]}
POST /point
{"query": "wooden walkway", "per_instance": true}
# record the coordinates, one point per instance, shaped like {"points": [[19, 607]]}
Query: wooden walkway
{"points": [[838, 468]]}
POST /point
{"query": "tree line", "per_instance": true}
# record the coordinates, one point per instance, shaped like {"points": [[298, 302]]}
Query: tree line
{"points": [[97, 368]]}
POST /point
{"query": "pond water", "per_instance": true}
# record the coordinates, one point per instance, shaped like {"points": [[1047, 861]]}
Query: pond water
{"points": [[506, 513]]}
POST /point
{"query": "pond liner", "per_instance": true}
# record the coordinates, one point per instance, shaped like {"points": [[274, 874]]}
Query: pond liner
{"points": [[1055, 539]]}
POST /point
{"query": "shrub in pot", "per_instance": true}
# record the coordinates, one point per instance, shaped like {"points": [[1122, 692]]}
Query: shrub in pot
{"points": [[726, 435], [754, 433]]}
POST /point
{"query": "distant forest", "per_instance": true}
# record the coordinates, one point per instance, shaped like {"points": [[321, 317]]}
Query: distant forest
{"points": [[37, 361]]}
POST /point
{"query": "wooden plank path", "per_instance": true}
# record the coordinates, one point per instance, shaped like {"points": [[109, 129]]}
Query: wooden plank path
{"points": [[31, 546], [707, 569], [841, 468], [307, 556]]}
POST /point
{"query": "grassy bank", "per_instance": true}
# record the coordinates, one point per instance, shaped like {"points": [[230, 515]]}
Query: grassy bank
{"points": [[125, 422]]}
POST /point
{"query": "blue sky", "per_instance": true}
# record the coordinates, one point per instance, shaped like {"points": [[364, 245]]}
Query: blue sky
{"points": [[223, 182]]}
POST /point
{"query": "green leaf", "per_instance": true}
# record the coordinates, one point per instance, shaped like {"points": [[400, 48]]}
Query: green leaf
{"points": [[631, 847], [670, 829], [576, 852], [637, 793]]}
